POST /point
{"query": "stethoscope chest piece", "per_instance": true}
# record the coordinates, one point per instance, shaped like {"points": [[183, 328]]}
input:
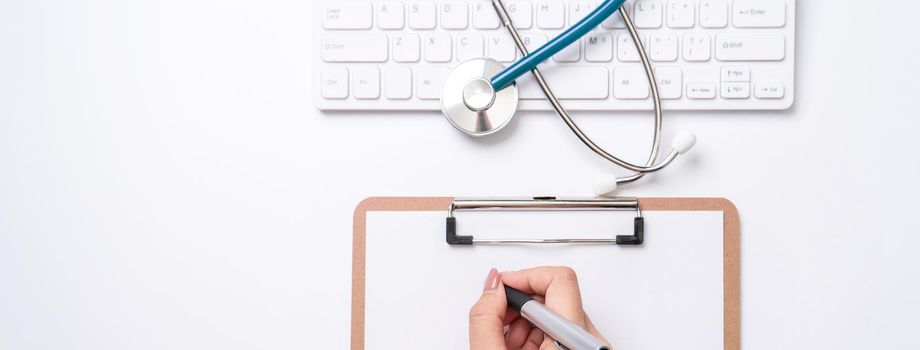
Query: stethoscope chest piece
{"points": [[471, 104]]}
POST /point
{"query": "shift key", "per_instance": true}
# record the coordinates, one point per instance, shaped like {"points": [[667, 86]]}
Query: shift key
{"points": [[750, 47], [355, 48]]}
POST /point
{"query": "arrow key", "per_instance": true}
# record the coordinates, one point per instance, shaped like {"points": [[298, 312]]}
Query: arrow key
{"points": [[701, 91], [769, 90], [736, 90]]}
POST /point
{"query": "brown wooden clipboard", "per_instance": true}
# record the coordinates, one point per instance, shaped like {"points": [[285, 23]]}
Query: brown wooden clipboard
{"points": [[731, 252]]}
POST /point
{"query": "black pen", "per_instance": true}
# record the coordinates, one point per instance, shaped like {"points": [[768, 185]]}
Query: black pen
{"points": [[567, 334]]}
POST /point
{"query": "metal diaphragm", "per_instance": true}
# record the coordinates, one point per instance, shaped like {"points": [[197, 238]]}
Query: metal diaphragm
{"points": [[469, 102]]}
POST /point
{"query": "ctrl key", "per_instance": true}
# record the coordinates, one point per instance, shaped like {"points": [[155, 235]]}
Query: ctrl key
{"points": [[335, 83]]}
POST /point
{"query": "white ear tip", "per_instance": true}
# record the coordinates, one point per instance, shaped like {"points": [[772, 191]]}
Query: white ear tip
{"points": [[683, 142], [605, 185]]}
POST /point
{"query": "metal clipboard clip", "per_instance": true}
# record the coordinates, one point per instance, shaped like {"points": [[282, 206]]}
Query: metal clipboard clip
{"points": [[549, 204]]}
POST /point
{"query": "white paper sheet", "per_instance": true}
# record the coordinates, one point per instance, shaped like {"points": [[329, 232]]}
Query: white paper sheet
{"points": [[666, 294]]}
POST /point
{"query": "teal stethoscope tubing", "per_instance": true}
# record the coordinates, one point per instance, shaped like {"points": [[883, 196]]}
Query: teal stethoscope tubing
{"points": [[561, 41]]}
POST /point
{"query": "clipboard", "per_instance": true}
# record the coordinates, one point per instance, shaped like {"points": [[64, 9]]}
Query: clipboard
{"points": [[730, 259]]}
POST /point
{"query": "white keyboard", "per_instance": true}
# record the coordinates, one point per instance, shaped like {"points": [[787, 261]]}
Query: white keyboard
{"points": [[707, 54]]}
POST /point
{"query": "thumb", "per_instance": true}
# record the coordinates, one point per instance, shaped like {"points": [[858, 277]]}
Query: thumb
{"points": [[487, 315]]}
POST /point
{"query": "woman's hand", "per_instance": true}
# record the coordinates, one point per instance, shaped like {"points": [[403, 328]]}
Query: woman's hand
{"points": [[556, 287]]}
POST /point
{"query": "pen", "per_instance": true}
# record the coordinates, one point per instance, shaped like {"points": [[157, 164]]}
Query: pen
{"points": [[567, 334]]}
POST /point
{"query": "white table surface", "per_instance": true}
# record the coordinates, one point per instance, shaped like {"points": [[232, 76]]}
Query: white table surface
{"points": [[165, 181]]}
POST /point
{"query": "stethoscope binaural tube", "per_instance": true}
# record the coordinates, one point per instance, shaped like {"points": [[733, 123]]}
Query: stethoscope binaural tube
{"points": [[475, 120], [554, 46], [681, 143]]}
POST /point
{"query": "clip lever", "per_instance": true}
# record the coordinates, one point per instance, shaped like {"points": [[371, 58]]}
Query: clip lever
{"points": [[547, 203]]}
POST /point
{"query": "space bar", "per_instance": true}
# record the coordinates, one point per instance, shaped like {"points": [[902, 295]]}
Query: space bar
{"points": [[568, 83]]}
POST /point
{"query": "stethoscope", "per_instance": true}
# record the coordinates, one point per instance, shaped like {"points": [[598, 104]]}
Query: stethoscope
{"points": [[479, 96]]}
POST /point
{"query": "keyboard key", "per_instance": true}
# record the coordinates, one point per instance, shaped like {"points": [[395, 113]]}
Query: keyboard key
{"points": [[736, 74], [398, 82], [736, 90], [501, 48], [750, 47], [484, 16], [571, 53], [438, 48], [707, 54], [422, 15], [598, 48], [454, 15], [355, 48], [520, 13], [663, 47], [335, 82], [391, 15], [630, 83], [550, 14], [701, 91], [626, 49], [579, 8], [647, 14], [406, 48], [697, 47], [759, 13], [365, 83], [348, 15], [429, 81], [670, 82], [534, 41], [469, 46], [769, 90], [568, 83], [615, 21], [681, 13], [713, 13]]}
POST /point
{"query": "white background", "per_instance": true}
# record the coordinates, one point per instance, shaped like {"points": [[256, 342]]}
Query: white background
{"points": [[165, 181]]}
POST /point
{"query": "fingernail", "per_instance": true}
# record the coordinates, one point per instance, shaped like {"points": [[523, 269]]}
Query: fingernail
{"points": [[491, 281]]}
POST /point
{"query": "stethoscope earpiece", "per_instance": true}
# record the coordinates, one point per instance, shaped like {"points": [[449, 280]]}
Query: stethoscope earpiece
{"points": [[683, 141], [606, 185]]}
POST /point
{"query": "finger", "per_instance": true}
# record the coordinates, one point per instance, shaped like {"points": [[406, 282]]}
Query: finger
{"points": [[593, 330], [549, 344], [487, 315], [511, 315], [534, 340], [518, 332], [558, 285]]}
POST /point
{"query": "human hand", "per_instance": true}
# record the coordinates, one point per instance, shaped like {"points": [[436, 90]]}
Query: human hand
{"points": [[556, 287]]}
